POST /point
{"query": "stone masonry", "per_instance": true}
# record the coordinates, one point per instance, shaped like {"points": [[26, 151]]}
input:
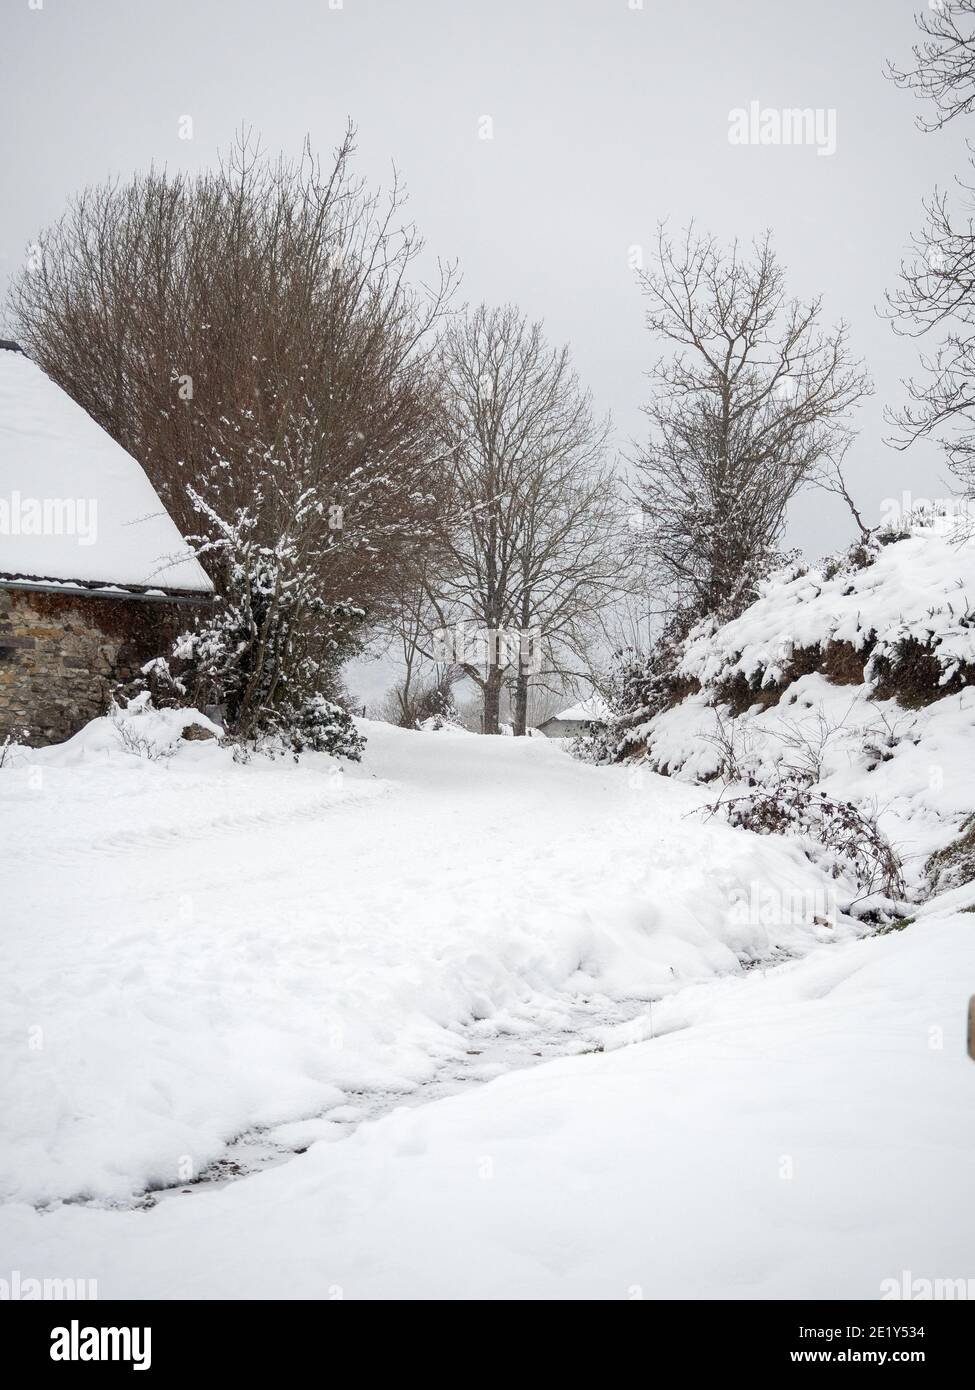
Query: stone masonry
{"points": [[62, 655]]}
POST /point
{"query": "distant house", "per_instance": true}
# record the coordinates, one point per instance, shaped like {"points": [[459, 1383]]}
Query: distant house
{"points": [[576, 719], [95, 578]]}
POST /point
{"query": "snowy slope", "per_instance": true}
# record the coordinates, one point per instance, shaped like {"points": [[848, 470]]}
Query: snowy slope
{"points": [[805, 1134], [912, 767], [921, 586], [193, 948], [52, 451]]}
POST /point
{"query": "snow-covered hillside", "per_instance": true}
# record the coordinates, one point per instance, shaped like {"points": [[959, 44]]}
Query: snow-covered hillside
{"points": [[861, 671], [915, 585]]}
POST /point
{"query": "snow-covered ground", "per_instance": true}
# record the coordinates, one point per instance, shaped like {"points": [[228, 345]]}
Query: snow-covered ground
{"points": [[808, 1134], [195, 950]]}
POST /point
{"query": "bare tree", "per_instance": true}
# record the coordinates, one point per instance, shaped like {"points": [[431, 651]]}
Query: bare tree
{"points": [[570, 564], [426, 686], [410, 625], [752, 405], [944, 61], [258, 311], [936, 295], [532, 549]]}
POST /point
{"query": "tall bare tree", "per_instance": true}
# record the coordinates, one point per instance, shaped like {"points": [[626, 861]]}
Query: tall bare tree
{"points": [[752, 403], [936, 299], [936, 296], [944, 61], [425, 686], [531, 552], [570, 565], [260, 311]]}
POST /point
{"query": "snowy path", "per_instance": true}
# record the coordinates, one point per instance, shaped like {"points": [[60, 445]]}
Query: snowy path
{"points": [[193, 951], [310, 962], [555, 1030], [807, 1134]]}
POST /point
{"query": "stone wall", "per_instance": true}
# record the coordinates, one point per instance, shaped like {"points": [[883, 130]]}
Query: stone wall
{"points": [[62, 655]]}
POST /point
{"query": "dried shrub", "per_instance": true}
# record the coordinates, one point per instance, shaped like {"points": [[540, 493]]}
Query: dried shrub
{"points": [[843, 664], [837, 833], [839, 662], [913, 676], [860, 556], [740, 692], [641, 686], [11, 746], [430, 703]]}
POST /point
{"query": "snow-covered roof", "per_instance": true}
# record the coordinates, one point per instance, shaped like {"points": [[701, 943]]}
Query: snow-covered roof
{"points": [[592, 709], [77, 510]]}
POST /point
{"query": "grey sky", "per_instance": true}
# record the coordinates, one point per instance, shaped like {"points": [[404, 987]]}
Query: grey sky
{"points": [[605, 118]]}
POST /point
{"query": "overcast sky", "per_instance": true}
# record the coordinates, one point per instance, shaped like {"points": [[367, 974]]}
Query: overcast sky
{"points": [[606, 115]]}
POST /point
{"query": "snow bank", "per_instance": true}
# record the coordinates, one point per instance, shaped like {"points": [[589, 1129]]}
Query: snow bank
{"points": [[921, 587], [914, 768], [437, 724], [194, 948], [138, 729], [807, 1134]]}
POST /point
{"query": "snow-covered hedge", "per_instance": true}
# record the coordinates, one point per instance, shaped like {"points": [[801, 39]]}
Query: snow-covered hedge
{"points": [[904, 590], [855, 675]]}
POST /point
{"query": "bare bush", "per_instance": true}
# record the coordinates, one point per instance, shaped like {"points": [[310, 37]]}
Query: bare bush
{"points": [[836, 833], [132, 740], [735, 747], [413, 701], [11, 745]]}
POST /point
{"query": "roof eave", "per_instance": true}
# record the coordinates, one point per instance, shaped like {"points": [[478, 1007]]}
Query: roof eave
{"points": [[140, 593]]}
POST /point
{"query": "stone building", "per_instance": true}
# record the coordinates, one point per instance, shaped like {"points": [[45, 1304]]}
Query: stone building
{"points": [[95, 578]]}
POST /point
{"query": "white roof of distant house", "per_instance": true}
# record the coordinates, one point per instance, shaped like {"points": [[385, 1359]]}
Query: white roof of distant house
{"points": [[593, 709], [53, 452]]}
